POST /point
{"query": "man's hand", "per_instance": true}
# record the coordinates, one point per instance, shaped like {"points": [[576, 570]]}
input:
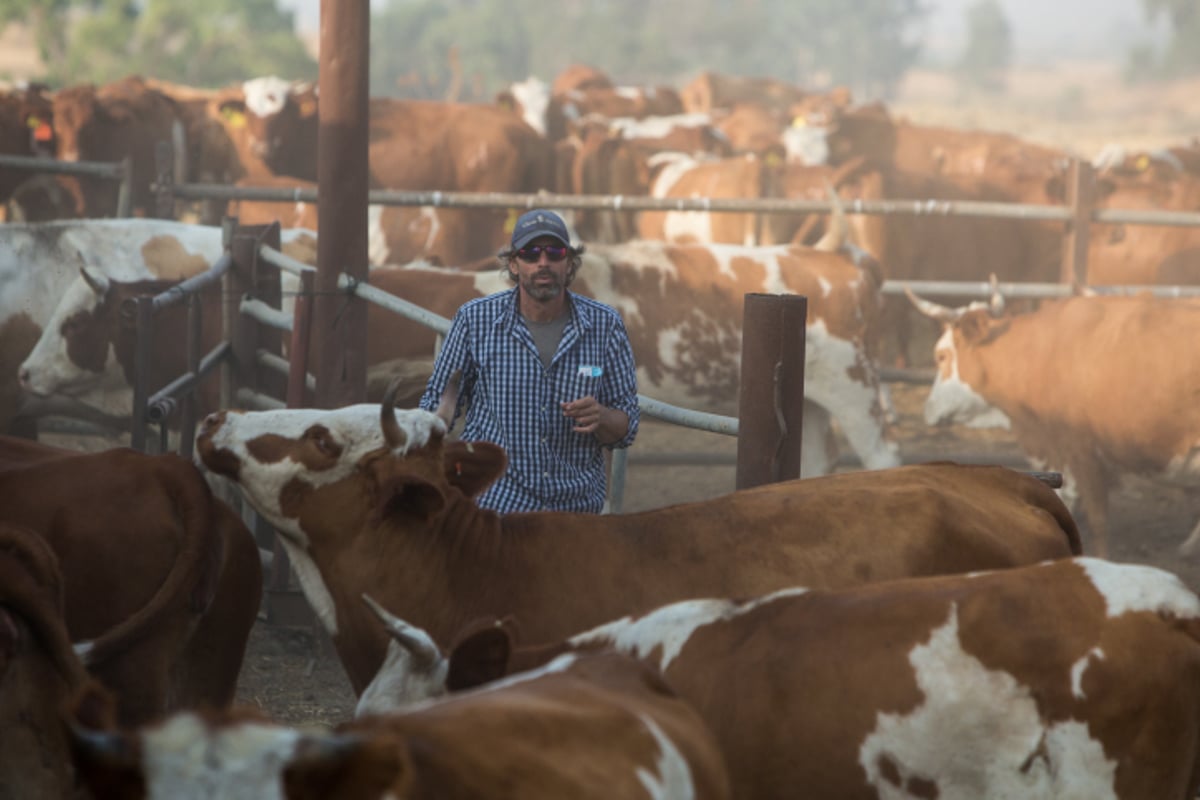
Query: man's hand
{"points": [[608, 425]]}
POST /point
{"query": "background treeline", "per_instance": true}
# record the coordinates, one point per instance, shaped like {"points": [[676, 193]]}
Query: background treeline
{"points": [[470, 48]]}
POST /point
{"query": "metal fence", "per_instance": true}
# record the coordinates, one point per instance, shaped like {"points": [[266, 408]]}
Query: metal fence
{"points": [[120, 171]]}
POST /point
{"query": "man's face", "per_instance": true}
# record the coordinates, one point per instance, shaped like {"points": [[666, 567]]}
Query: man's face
{"points": [[545, 278]]}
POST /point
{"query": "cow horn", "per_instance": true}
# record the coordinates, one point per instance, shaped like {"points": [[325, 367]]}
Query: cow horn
{"points": [[96, 279], [996, 300], [392, 432], [833, 239], [933, 310], [420, 646]]}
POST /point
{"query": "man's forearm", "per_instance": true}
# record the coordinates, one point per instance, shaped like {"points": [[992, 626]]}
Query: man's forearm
{"points": [[613, 426]]}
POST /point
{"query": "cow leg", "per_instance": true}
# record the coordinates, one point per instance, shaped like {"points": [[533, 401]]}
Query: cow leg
{"points": [[1092, 486]]}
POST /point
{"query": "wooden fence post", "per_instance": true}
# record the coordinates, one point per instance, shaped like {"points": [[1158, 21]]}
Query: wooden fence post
{"points": [[1081, 199], [771, 393]]}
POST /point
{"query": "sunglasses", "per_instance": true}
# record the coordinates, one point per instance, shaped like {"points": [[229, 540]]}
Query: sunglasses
{"points": [[530, 255]]}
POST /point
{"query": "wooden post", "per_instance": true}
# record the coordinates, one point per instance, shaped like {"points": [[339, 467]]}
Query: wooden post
{"points": [[1081, 199], [339, 319], [771, 393]]}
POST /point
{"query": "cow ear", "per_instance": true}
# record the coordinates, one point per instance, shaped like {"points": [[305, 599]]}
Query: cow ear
{"points": [[348, 765], [410, 496], [480, 657], [471, 467], [974, 327]]}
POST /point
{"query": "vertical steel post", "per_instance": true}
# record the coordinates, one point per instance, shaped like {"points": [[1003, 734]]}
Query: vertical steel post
{"points": [[340, 320], [1081, 199], [191, 400], [125, 189], [144, 320], [771, 392]]}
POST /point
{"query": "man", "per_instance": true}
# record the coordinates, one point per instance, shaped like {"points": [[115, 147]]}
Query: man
{"points": [[545, 373]]}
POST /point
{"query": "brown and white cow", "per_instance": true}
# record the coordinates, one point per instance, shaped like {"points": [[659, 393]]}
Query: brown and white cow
{"points": [[584, 726], [1091, 385], [370, 500], [39, 672], [39, 263], [683, 306], [956, 686], [161, 581], [87, 345]]}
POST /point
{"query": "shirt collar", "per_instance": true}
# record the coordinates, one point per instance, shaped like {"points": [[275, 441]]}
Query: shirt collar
{"points": [[509, 316]]}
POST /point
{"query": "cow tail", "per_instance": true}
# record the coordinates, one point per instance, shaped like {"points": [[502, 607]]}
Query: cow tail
{"points": [[193, 576]]}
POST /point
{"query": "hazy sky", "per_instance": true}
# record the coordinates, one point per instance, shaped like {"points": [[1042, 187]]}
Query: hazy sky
{"points": [[1043, 29]]}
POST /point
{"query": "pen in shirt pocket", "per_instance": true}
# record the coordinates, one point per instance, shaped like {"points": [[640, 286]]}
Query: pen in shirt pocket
{"points": [[585, 381]]}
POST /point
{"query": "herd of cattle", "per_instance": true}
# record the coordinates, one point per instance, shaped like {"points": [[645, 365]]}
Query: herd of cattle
{"points": [[911, 632]]}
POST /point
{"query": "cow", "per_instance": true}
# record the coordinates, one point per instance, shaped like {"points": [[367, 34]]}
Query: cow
{"points": [[395, 234], [86, 349], [25, 130], [683, 306], [109, 123], [1092, 385], [532, 101], [949, 686], [161, 581], [580, 77], [39, 671], [746, 176], [710, 91], [40, 261], [585, 726], [385, 508], [621, 101], [1140, 255]]}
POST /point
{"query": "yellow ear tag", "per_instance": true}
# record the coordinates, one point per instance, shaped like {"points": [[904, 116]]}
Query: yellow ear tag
{"points": [[308, 108], [799, 122], [773, 159], [510, 221], [236, 119], [32, 122], [1143, 163]]}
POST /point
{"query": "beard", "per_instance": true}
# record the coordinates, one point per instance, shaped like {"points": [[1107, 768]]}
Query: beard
{"points": [[543, 291]]}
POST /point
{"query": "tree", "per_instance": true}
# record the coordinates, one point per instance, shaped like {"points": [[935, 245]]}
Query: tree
{"points": [[201, 44], [867, 44], [988, 53], [1181, 54]]}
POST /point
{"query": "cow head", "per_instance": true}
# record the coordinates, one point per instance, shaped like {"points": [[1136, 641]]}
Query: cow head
{"points": [[957, 393], [275, 112], [76, 112], [413, 670], [314, 471], [73, 355], [230, 754]]}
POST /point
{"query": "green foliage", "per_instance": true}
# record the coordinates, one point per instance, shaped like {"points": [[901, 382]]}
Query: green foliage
{"points": [[867, 44], [1180, 56], [988, 52], [202, 44]]}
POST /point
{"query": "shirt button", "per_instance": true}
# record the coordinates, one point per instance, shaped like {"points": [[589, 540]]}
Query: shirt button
{"points": [[543, 440], [545, 474]]}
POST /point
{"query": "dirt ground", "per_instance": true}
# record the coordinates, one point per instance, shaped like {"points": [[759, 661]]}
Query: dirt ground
{"points": [[294, 675]]}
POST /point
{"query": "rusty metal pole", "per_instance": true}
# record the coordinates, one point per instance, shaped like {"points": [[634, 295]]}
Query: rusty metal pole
{"points": [[339, 331], [771, 393], [1081, 199]]}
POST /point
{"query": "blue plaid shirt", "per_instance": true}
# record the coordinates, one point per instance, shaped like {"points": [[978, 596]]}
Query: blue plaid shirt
{"points": [[513, 401]]}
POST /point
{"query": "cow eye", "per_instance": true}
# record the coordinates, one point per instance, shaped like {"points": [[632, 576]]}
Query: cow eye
{"points": [[324, 442]]}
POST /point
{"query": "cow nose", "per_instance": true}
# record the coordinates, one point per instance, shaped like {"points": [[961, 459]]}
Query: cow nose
{"points": [[23, 377]]}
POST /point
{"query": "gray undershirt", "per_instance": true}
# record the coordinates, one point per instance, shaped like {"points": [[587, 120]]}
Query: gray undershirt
{"points": [[547, 335]]}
